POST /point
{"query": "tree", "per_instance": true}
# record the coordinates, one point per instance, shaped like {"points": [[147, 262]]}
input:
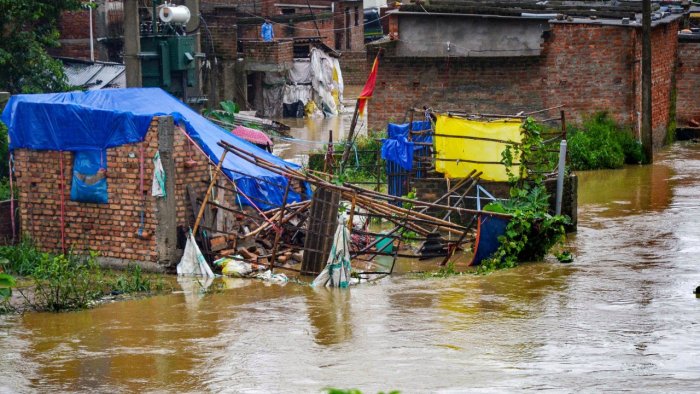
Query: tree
{"points": [[27, 29]]}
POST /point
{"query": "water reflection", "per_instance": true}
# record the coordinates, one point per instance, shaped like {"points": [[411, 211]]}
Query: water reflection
{"points": [[330, 315]]}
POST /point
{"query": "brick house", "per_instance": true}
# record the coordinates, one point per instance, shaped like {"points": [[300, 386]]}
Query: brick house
{"points": [[491, 58], [44, 172]]}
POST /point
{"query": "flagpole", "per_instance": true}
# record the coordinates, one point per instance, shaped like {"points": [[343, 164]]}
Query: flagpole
{"points": [[349, 141], [366, 93]]}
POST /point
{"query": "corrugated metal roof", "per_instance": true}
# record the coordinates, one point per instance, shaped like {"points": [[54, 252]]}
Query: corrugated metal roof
{"points": [[94, 75]]}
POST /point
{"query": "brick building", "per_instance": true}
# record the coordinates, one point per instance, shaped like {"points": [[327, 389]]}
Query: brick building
{"points": [[45, 176], [688, 81], [502, 61]]}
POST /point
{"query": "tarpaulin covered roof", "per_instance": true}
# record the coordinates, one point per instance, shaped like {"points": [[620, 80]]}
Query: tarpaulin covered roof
{"points": [[101, 119]]}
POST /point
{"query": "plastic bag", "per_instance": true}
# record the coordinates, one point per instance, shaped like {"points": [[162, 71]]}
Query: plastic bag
{"points": [[193, 262], [89, 177]]}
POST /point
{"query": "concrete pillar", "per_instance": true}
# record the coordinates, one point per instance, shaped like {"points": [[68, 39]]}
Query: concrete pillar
{"points": [[132, 44], [166, 209]]}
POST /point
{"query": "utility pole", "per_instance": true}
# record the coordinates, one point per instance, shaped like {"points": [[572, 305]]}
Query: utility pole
{"points": [[647, 139], [132, 43]]}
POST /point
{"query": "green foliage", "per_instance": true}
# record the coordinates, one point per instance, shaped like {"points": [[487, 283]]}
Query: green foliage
{"points": [[565, 257], [362, 162], [227, 113], [531, 231], [443, 272], [4, 151], [20, 259], [332, 390], [602, 143], [131, 281], [7, 282], [27, 29], [66, 282]]}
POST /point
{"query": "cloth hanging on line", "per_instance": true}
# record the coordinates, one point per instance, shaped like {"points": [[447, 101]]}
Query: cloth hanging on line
{"points": [[158, 186], [450, 150]]}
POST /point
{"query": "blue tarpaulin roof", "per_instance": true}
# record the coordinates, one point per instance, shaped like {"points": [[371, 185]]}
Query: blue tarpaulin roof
{"points": [[101, 119]]}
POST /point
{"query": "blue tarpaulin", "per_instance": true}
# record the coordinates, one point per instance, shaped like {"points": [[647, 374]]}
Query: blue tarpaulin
{"points": [[101, 119], [398, 153]]}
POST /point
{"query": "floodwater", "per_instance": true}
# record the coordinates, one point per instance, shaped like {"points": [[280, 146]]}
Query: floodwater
{"points": [[310, 134], [621, 317]]}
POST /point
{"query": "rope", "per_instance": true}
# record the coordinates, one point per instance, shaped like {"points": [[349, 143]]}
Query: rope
{"points": [[143, 195], [63, 203], [12, 195]]}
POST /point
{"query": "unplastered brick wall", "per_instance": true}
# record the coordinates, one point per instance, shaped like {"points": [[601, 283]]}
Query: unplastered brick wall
{"points": [[110, 229], [688, 82], [275, 52], [354, 67], [585, 67], [474, 85]]}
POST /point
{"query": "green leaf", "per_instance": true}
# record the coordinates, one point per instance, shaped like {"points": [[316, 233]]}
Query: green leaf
{"points": [[7, 281]]}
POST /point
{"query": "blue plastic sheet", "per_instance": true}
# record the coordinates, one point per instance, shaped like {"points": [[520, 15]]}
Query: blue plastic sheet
{"points": [[398, 153], [101, 119], [89, 181], [490, 228]]}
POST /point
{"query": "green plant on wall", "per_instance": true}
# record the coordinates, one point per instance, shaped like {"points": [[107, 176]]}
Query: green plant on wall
{"points": [[531, 231]]}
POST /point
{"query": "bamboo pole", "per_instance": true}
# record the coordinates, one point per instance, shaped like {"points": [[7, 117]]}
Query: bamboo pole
{"points": [[208, 193]]}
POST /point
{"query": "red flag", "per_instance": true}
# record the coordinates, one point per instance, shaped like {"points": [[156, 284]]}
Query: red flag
{"points": [[368, 90]]}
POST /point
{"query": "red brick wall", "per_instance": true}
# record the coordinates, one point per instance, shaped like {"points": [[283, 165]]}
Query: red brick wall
{"points": [[110, 228], [688, 82], [585, 67], [222, 25], [269, 52], [354, 67], [590, 68], [473, 85], [664, 44]]}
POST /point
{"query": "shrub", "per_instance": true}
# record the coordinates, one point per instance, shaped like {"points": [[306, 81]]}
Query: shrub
{"points": [[20, 259], [66, 282], [601, 143]]}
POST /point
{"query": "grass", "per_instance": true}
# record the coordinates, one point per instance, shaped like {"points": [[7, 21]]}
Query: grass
{"points": [[56, 282], [602, 143]]}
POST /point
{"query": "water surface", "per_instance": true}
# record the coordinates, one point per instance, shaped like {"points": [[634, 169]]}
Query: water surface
{"points": [[621, 317]]}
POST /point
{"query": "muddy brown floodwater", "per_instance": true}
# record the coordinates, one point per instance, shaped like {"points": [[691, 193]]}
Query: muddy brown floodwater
{"points": [[621, 317]]}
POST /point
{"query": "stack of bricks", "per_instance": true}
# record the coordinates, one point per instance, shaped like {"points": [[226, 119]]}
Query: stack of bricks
{"points": [[274, 52], [688, 83]]}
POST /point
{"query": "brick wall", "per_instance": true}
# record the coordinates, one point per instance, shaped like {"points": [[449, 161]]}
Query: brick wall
{"points": [[688, 82], [473, 85], [109, 228], [589, 68], [586, 67], [354, 67], [222, 25], [276, 52]]}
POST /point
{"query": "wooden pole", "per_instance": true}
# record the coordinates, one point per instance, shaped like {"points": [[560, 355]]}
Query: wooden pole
{"points": [[352, 212], [349, 141], [208, 193], [278, 232], [647, 138]]}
